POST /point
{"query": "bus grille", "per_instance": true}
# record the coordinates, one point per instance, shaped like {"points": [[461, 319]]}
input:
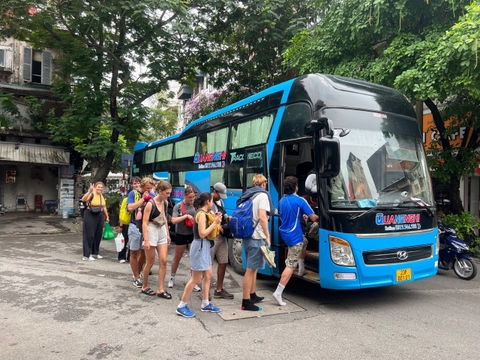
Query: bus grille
{"points": [[394, 256]]}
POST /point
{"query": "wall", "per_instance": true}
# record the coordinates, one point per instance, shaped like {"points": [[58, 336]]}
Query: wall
{"points": [[26, 186]]}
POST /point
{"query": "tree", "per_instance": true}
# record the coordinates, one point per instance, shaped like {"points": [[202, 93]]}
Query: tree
{"points": [[245, 40], [401, 44], [111, 57], [161, 119]]}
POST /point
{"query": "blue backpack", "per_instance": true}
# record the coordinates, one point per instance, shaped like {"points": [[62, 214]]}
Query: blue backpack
{"points": [[241, 222]]}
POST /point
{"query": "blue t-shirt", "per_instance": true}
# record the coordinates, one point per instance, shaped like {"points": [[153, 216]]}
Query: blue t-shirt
{"points": [[292, 208], [131, 200]]}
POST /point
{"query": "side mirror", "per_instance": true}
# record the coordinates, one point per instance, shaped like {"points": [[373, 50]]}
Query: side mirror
{"points": [[318, 124], [328, 157]]}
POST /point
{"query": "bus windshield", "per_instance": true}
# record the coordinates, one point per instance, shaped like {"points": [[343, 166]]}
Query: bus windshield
{"points": [[380, 167]]}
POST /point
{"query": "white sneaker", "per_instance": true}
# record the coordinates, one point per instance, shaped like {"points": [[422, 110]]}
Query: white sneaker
{"points": [[91, 258], [171, 282], [99, 257], [122, 261], [197, 288], [84, 258]]}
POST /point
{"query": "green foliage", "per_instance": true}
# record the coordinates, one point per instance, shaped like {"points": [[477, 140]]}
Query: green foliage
{"points": [[8, 109], [426, 49], [466, 226], [113, 202], [245, 40], [111, 56]]}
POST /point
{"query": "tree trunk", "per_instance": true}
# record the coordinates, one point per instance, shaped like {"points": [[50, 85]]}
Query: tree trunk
{"points": [[456, 206]]}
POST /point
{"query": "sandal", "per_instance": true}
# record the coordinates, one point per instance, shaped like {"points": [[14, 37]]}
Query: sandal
{"points": [[149, 292], [164, 295]]}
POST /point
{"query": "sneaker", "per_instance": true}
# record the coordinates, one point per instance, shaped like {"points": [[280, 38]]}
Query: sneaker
{"points": [[268, 255], [122, 261], [222, 294], [99, 257], [185, 312], [171, 282], [197, 288], [256, 299], [91, 258], [138, 283], [84, 258], [211, 308]]}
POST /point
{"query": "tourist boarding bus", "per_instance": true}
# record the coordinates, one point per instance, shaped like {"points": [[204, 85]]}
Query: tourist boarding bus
{"points": [[360, 144]]}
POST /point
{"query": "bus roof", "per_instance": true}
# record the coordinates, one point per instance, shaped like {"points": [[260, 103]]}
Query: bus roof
{"points": [[319, 90]]}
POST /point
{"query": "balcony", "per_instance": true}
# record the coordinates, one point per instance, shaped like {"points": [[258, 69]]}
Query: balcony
{"points": [[185, 92]]}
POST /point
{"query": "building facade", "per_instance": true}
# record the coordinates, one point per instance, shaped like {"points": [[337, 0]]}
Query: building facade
{"points": [[35, 173]]}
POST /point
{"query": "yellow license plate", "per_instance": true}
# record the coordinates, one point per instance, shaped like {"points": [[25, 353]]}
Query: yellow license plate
{"points": [[404, 275]]}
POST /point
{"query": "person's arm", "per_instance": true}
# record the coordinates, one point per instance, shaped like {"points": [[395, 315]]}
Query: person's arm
{"points": [[263, 219], [132, 206], [146, 215], [203, 231], [178, 216], [88, 195]]}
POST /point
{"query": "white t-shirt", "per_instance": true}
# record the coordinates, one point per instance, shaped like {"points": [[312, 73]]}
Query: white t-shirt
{"points": [[259, 202]]}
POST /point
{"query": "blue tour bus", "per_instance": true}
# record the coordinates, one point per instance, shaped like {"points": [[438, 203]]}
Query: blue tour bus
{"points": [[361, 142]]}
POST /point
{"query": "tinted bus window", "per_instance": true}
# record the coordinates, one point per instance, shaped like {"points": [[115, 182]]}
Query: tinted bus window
{"points": [[251, 132], [164, 153], [184, 148], [213, 141], [293, 121], [149, 156]]}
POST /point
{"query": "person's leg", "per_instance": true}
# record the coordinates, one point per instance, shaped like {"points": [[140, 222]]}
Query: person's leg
{"points": [[162, 266], [150, 259], [134, 254], [122, 255], [301, 259], [98, 234], [294, 253], [247, 287], [179, 251], [88, 234], [207, 278], [194, 279]]}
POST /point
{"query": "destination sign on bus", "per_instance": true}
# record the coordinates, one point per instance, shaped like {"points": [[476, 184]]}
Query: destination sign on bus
{"points": [[399, 221]]}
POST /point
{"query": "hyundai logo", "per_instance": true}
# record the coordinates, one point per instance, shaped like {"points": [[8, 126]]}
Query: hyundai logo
{"points": [[402, 255]]}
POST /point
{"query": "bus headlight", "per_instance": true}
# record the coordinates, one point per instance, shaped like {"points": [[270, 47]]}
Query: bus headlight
{"points": [[341, 252]]}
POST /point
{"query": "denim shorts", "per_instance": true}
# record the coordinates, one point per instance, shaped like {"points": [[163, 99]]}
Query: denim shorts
{"points": [[253, 254], [135, 238], [200, 259]]}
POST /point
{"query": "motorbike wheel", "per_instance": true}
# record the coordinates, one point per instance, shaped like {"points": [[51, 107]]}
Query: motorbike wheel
{"points": [[465, 269]]}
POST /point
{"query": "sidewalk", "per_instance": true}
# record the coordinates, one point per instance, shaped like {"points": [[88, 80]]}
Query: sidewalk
{"points": [[37, 223]]}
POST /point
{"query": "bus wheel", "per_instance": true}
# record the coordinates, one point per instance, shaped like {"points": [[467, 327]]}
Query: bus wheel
{"points": [[235, 255]]}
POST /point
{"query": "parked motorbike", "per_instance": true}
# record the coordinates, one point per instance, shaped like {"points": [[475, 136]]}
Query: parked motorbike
{"points": [[2, 210], [454, 253]]}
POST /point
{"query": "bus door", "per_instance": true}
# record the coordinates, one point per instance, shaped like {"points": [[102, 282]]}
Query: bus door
{"points": [[254, 162], [298, 160]]}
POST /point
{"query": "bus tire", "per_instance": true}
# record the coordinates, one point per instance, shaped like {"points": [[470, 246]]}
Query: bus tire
{"points": [[235, 255]]}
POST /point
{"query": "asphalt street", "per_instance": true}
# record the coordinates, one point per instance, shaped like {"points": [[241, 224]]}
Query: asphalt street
{"points": [[53, 305]]}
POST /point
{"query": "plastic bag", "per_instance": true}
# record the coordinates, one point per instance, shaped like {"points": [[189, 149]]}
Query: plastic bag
{"points": [[108, 232], [119, 242]]}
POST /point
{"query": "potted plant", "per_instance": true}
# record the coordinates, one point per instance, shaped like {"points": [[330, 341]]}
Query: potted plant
{"points": [[113, 201]]}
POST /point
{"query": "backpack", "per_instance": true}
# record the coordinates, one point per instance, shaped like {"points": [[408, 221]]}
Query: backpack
{"points": [[210, 218], [241, 223], [124, 216]]}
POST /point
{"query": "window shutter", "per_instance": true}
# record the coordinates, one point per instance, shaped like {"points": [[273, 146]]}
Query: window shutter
{"points": [[2, 58], [27, 64], [46, 68]]}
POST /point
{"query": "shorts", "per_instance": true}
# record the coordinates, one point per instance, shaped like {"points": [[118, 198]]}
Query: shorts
{"points": [[220, 250], [253, 254], [294, 253], [181, 239], [135, 238], [157, 235], [200, 259]]}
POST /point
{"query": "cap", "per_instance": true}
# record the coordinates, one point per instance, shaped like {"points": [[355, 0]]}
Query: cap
{"points": [[221, 190]]}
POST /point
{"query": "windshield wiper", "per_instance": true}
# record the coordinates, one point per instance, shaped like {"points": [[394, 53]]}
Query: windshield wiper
{"points": [[383, 206], [419, 204]]}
